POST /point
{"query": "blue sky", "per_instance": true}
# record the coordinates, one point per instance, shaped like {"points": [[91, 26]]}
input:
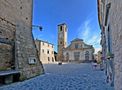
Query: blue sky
{"points": [[79, 15]]}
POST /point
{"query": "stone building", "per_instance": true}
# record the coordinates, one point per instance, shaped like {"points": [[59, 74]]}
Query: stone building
{"points": [[18, 52], [45, 51], [78, 51], [95, 56], [99, 56], [62, 40], [110, 20], [99, 53]]}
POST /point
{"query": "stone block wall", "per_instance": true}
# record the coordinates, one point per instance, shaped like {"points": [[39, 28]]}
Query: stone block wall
{"points": [[7, 38], [18, 13], [5, 56], [116, 28]]}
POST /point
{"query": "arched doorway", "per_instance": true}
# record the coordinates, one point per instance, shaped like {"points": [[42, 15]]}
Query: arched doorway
{"points": [[67, 56], [77, 56], [87, 55]]}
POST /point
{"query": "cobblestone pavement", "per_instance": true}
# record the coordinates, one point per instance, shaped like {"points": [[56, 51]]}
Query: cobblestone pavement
{"points": [[64, 77]]}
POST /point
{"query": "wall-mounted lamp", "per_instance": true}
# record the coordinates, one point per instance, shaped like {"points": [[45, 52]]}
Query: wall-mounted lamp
{"points": [[37, 26]]}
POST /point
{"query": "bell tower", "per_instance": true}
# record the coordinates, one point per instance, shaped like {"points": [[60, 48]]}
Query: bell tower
{"points": [[62, 40]]}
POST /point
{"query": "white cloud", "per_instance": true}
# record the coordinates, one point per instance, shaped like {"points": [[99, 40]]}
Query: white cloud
{"points": [[87, 32], [94, 40], [84, 30], [40, 36]]}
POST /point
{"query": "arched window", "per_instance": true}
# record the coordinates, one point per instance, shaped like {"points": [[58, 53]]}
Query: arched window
{"points": [[87, 52], [61, 28]]}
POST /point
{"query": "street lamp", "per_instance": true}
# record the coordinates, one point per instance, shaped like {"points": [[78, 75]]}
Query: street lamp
{"points": [[37, 26]]}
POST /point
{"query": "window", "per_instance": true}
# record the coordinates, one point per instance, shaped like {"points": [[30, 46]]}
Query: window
{"points": [[61, 28], [43, 43], [65, 29], [0, 32], [76, 46], [87, 52], [48, 58], [81, 46], [52, 52], [67, 56], [109, 40], [43, 50], [52, 59], [107, 13], [48, 52], [61, 42], [48, 45]]}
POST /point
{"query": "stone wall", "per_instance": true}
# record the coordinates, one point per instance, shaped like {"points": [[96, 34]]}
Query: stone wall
{"points": [[114, 21], [116, 28], [18, 13], [7, 37], [5, 56]]}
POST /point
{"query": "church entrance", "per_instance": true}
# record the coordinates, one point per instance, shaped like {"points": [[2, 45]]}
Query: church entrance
{"points": [[77, 56], [67, 57], [87, 55]]}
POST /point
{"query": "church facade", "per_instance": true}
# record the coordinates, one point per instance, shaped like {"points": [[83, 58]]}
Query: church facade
{"points": [[78, 51]]}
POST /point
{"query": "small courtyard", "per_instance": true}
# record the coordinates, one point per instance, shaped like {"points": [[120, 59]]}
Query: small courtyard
{"points": [[64, 77]]}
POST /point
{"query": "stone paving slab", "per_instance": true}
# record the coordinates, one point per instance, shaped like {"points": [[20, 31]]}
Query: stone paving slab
{"points": [[65, 77]]}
